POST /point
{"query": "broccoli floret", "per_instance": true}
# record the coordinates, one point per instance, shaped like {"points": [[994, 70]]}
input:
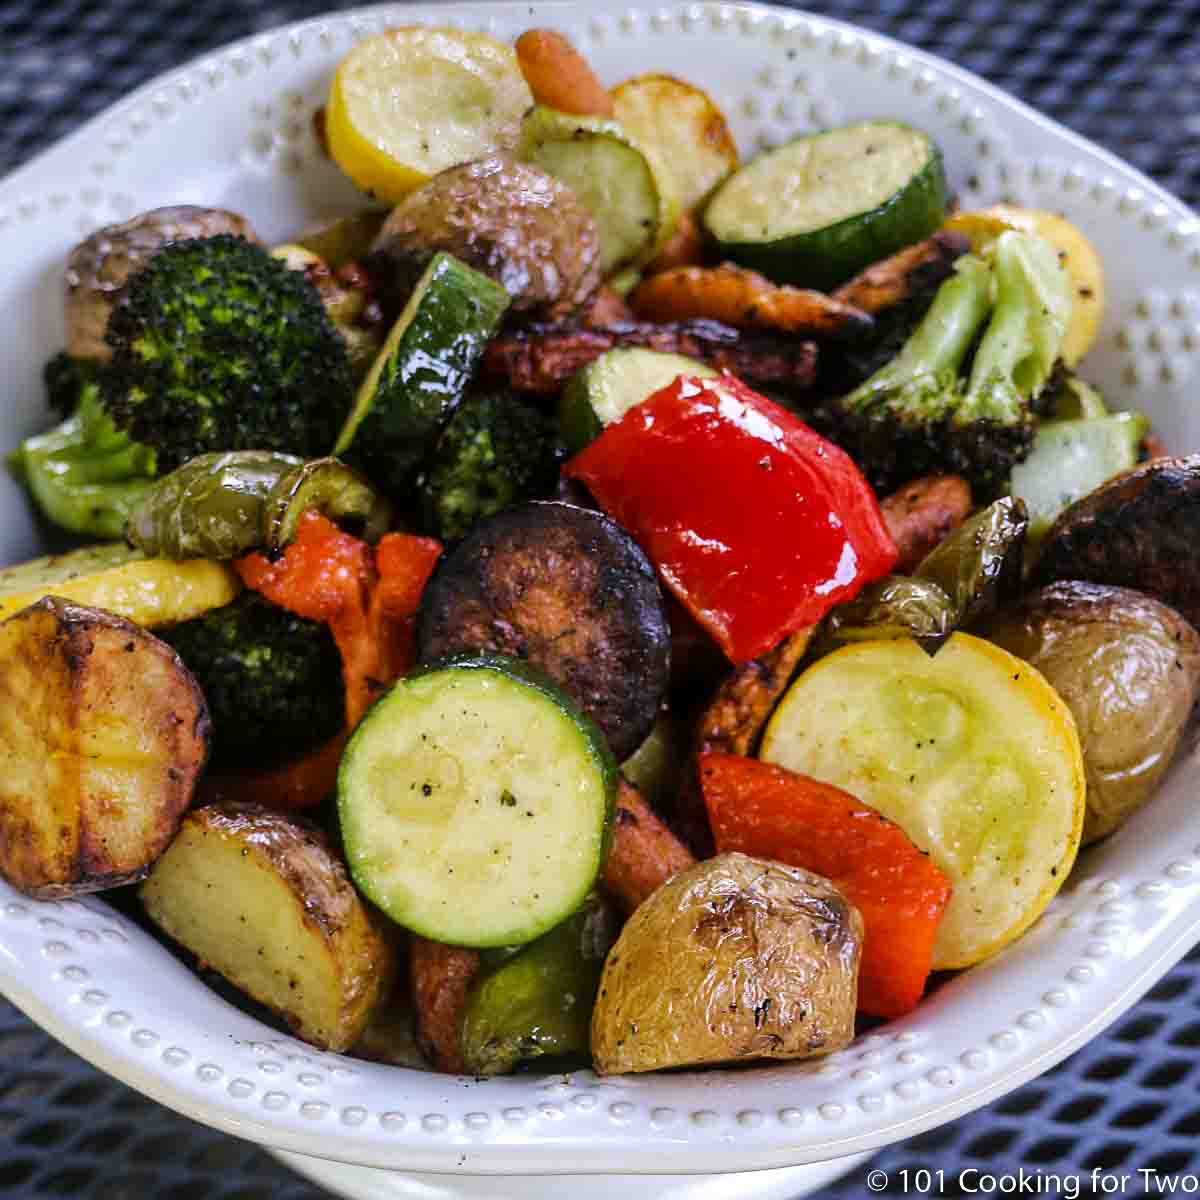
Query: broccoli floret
{"points": [[918, 414], [218, 346], [273, 681], [84, 474], [494, 452]]}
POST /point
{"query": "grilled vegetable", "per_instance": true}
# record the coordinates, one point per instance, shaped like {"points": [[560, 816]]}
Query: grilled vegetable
{"points": [[643, 854], [901, 896], [606, 389], [541, 358], [626, 189], [103, 733], [745, 300], [895, 607], [538, 1003], [84, 474], [289, 930], [921, 514], [686, 130], [390, 1036], [495, 452], [440, 977], [508, 220], [655, 767], [805, 534], [559, 76], [343, 240], [1128, 668], [211, 507], [915, 415], [114, 577], [413, 101], [737, 958], [193, 373], [568, 591], [906, 275], [971, 753], [100, 267], [1137, 532], [1069, 459], [1075, 252], [422, 372], [819, 209], [475, 801], [272, 680], [219, 506], [979, 565]]}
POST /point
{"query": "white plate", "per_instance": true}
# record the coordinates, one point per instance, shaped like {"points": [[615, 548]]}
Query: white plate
{"points": [[234, 129]]}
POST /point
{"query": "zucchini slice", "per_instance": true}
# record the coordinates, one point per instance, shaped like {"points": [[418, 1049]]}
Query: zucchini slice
{"points": [[410, 102], [1069, 459], [971, 752], [818, 209], [605, 390], [630, 194], [475, 801], [422, 372]]}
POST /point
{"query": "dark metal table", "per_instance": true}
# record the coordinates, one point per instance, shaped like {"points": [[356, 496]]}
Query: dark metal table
{"points": [[1126, 74]]}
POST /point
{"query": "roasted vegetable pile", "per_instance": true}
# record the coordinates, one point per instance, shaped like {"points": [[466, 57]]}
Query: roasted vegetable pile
{"points": [[613, 604]]}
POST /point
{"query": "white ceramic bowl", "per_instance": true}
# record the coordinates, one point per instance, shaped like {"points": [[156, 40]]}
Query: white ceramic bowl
{"points": [[234, 129]]}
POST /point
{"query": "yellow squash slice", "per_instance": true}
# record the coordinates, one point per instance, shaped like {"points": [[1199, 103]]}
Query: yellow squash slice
{"points": [[121, 580], [971, 752], [413, 101]]}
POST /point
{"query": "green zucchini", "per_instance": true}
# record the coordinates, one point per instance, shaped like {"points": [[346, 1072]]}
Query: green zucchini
{"points": [[1076, 400], [628, 194], [475, 802], [605, 390], [1070, 459], [422, 372], [820, 208]]}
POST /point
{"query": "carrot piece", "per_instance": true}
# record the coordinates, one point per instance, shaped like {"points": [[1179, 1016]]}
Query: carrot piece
{"points": [[366, 598], [643, 854], [743, 299], [440, 976], [291, 787], [559, 76], [922, 513], [685, 248], [768, 812]]}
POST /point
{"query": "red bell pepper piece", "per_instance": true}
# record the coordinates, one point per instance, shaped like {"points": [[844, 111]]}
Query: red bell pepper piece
{"points": [[768, 812], [757, 523], [368, 598]]}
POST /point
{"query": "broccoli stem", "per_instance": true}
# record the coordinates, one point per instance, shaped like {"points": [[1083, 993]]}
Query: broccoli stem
{"points": [[941, 341]]}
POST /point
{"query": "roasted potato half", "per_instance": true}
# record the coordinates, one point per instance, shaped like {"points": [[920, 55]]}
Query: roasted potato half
{"points": [[262, 899], [103, 732], [737, 958], [1128, 668]]}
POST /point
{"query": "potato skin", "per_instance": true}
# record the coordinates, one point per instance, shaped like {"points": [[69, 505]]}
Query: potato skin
{"points": [[103, 733], [100, 266], [327, 983], [1128, 668], [737, 958], [509, 220]]}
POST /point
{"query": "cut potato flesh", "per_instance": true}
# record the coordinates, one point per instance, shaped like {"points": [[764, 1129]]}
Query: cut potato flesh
{"points": [[413, 101], [103, 732], [262, 900], [123, 581], [970, 752]]}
